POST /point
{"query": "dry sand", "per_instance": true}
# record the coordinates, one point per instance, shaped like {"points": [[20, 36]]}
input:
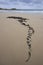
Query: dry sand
{"points": [[13, 46]]}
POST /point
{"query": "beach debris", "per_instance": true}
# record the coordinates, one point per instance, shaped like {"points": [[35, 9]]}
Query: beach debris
{"points": [[30, 32]]}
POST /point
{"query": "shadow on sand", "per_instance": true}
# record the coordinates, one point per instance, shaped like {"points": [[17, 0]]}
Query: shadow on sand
{"points": [[30, 32]]}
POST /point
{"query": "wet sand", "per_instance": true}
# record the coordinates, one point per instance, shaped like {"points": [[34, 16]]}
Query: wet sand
{"points": [[14, 39]]}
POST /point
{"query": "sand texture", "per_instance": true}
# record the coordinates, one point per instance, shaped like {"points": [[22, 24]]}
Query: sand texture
{"points": [[21, 39]]}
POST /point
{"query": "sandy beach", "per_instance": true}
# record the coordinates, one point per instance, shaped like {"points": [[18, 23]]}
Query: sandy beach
{"points": [[14, 29]]}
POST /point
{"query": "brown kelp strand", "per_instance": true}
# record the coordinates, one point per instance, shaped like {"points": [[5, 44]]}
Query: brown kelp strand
{"points": [[23, 21]]}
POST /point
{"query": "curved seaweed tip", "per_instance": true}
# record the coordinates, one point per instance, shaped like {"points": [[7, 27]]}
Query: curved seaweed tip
{"points": [[29, 55]]}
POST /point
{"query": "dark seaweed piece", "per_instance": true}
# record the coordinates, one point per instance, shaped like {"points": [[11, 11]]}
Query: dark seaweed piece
{"points": [[23, 21]]}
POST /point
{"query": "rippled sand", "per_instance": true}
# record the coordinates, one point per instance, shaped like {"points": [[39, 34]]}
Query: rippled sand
{"points": [[13, 37]]}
